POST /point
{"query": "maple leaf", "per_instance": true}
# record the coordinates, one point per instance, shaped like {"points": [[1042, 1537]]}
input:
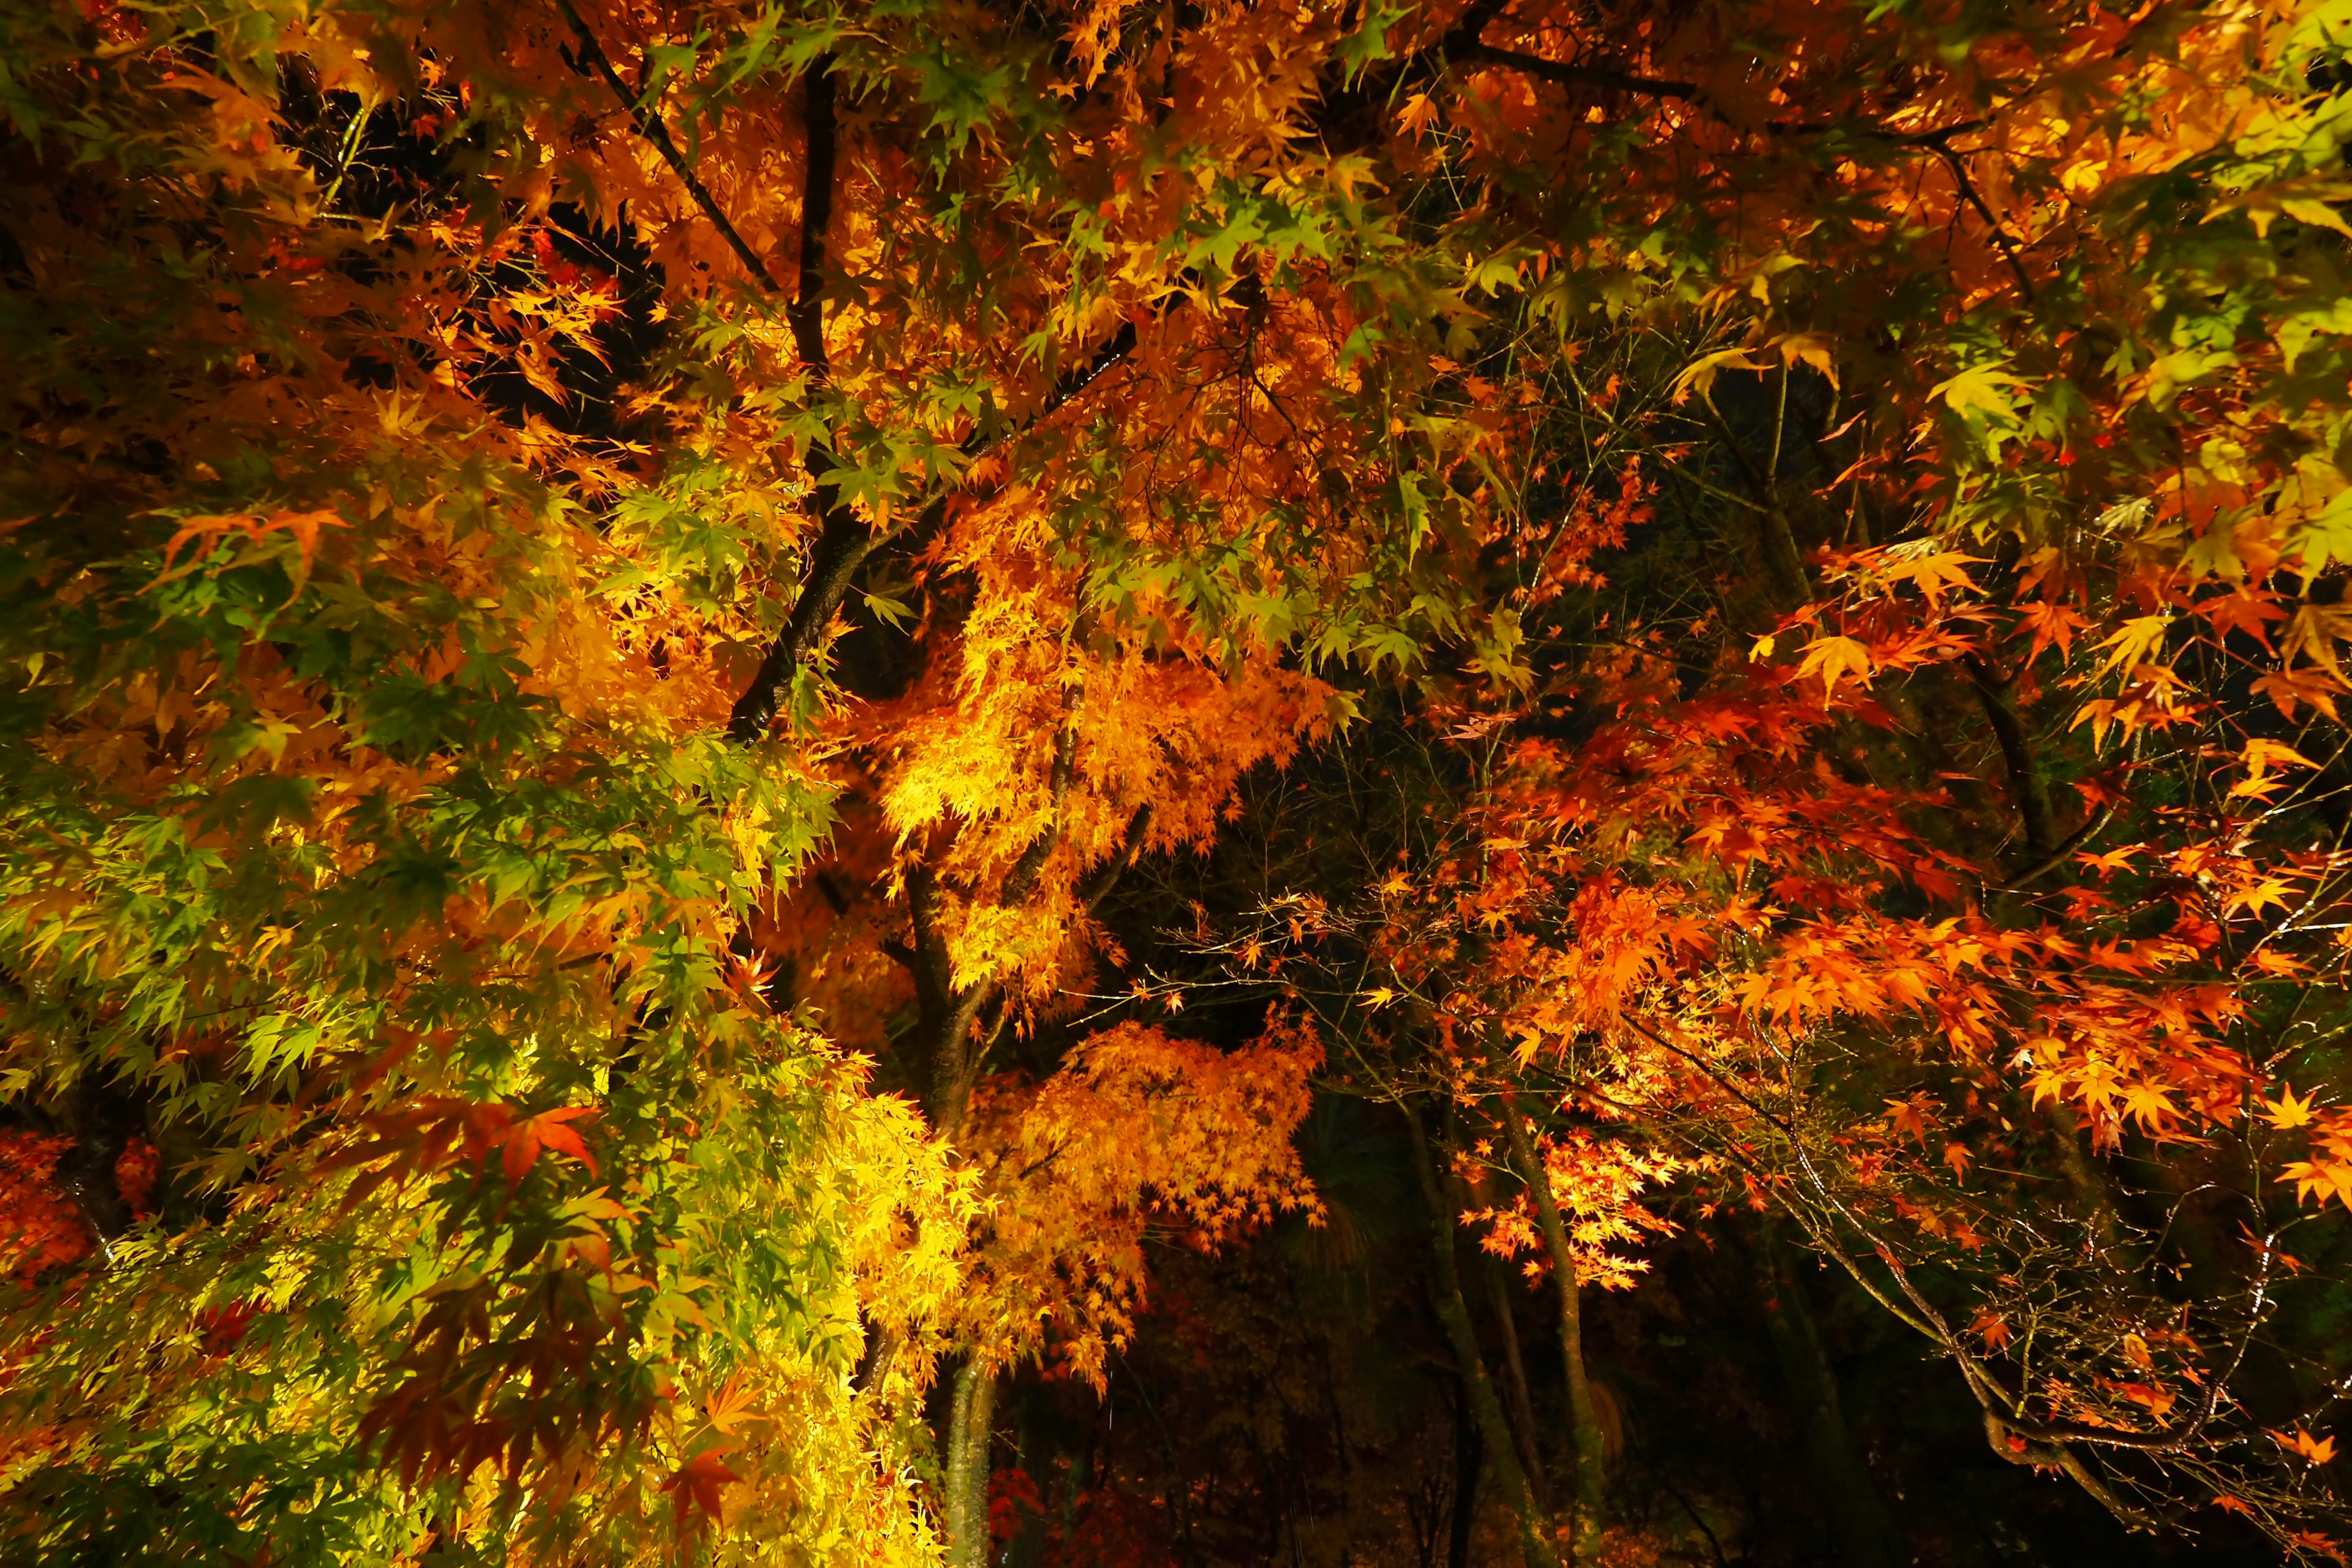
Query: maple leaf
{"points": [[2134, 643], [2053, 624], [1834, 659], [2261, 757], [523, 1143], [2286, 1112], [728, 1405], [2320, 1179], [695, 1488], [1934, 573], [1979, 390], [2311, 1450], [2245, 611], [1910, 1118], [2149, 1104], [2264, 893], [2313, 1540], [2291, 688]]}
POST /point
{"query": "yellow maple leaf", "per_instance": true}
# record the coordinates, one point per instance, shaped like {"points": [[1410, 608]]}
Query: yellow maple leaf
{"points": [[1834, 659], [2133, 642], [2286, 1112]]}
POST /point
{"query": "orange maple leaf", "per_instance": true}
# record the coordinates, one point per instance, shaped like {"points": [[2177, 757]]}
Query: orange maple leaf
{"points": [[2315, 1450], [1836, 658], [550, 1130], [694, 1488]]}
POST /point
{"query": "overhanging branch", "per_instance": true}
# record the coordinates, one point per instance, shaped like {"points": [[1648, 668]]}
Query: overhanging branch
{"points": [[649, 125]]}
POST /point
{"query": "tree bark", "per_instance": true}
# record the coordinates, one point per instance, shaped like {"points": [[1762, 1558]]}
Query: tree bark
{"points": [[970, 1428], [1515, 1383], [1467, 1457], [1587, 1480], [1494, 1432], [1864, 1530]]}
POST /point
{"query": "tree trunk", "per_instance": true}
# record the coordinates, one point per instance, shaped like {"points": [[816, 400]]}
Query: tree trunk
{"points": [[1587, 1480], [970, 1428], [1863, 1530], [1514, 1383], [1467, 1458], [1494, 1432]]}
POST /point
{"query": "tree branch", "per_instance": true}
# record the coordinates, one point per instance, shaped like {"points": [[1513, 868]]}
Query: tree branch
{"points": [[1097, 888], [649, 126], [1022, 880], [2027, 787], [1937, 140], [843, 547], [1468, 50], [805, 314]]}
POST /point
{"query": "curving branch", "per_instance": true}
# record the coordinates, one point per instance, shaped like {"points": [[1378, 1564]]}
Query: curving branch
{"points": [[2028, 789], [842, 544]]}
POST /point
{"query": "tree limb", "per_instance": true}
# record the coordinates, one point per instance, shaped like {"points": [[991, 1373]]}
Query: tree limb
{"points": [[1023, 878], [842, 546], [649, 125], [1469, 51], [2027, 787]]}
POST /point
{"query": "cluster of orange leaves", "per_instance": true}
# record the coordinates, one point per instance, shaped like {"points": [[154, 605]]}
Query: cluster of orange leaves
{"points": [[1598, 1183], [1137, 1128], [1703, 845], [40, 1226]]}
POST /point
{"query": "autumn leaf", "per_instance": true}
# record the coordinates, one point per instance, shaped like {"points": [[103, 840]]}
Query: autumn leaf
{"points": [[552, 1130], [2286, 1112], [695, 1488], [1835, 658], [2134, 643], [2312, 1450]]}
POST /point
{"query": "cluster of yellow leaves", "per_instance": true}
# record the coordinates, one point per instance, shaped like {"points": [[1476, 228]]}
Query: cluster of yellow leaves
{"points": [[1598, 1183]]}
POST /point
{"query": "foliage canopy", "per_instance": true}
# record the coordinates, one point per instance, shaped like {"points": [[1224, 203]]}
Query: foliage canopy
{"points": [[715, 716]]}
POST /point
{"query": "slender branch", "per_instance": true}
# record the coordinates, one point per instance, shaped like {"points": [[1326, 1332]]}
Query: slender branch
{"points": [[1998, 1404], [805, 314], [1022, 880], [1936, 141], [649, 126], [1097, 888], [2091, 827], [842, 546]]}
